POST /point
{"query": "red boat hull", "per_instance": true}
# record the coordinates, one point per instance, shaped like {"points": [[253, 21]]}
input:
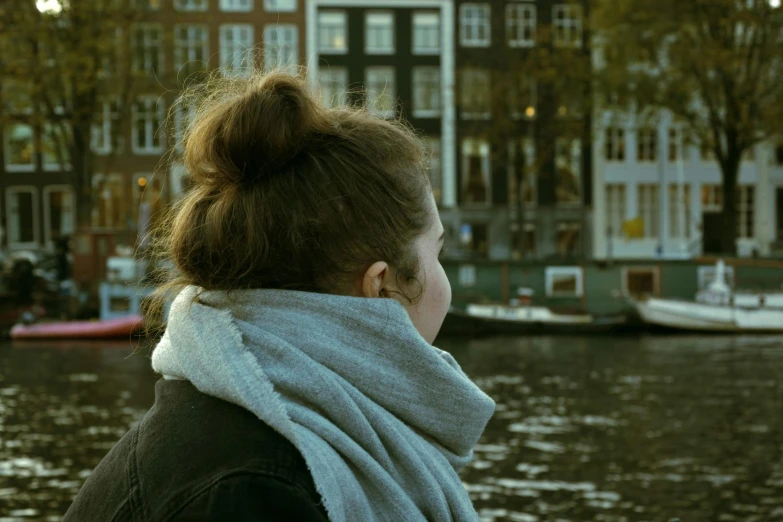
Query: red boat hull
{"points": [[121, 327]]}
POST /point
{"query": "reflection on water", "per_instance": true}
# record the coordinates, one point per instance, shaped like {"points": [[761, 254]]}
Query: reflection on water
{"points": [[604, 429]]}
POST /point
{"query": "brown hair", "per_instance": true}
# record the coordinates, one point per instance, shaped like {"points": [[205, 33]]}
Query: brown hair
{"points": [[288, 194]]}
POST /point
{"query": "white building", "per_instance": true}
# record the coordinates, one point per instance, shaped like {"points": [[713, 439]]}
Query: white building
{"points": [[635, 176]]}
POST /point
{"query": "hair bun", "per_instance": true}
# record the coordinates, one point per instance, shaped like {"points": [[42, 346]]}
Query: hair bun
{"points": [[256, 133]]}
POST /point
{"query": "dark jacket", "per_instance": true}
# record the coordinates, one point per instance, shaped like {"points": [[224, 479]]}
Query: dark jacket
{"points": [[198, 458]]}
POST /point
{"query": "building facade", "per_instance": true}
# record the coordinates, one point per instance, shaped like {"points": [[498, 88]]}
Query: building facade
{"points": [[169, 44], [637, 177]]}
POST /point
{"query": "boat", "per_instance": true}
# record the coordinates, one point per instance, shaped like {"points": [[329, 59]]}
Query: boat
{"points": [[717, 308], [100, 329], [520, 317]]}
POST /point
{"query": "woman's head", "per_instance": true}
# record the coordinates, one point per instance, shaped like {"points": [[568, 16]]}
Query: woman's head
{"points": [[287, 194]]}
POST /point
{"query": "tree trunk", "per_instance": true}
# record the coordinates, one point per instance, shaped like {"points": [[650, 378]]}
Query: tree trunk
{"points": [[730, 171]]}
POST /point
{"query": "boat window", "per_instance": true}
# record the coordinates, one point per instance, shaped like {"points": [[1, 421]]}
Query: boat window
{"points": [[564, 281], [639, 281]]}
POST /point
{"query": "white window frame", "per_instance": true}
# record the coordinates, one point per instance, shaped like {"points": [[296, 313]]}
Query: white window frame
{"points": [[475, 73], [529, 176], [285, 55], [19, 167], [184, 112], [466, 276], [420, 73], [386, 16], [144, 66], [647, 144], [472, 18], [14, 189], [47, 211], [373, 95], [572, 149], [55, 166], [515, 26], [105, 126], [156, 145], [191, 5], [341, 26], [273, 7], [329, 98], [236, 6], [673, 194], [554, 271], [572, 22], [649, 208], [714, 201], [425, 16], [482, 146], [236, 55], [615, 149], [117, 178], [186, 53]]}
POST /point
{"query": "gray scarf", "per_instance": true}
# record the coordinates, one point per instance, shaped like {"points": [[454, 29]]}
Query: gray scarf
{"points": [[383, 419]]}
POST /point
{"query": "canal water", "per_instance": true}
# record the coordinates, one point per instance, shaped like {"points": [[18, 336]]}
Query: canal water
{"points": [[600, 428]]}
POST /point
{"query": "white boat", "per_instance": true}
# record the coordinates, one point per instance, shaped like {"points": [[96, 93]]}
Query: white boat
{"points": [[716, 309]]}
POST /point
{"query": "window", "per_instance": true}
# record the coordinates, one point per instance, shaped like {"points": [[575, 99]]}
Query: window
{"points": [[527, 248], [280, 5], [679, 211], [426, 33], [567, 25], [109, 195], [568, 239], [474, 28], [58, 212], [426, 92], [184, 111], [54, 146], [615, 209], [436, 179], [647, 145], [523, 96], [522, 162], [779, 154], [149, 5], [749, 154], [521, 24], [16, 96], [475, 171], [711, 198], [649, 209], [148, 48], [473, 237], [475, 96], [106, 131], [746, 206], [281, 47], [674, 145], [19, 147], [379, 32], [191, 5], [332, 32], [615, 144], [22, 215], [564, 281], [568, 165], [236, 44], [641, 281], [236, 5], [147, 203], [191, 48], [147, 117], [112, 55], [381, 91], [334, 86], [467, 275]]}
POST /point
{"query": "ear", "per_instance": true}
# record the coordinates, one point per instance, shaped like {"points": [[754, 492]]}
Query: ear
{"points": [[374, 279]]}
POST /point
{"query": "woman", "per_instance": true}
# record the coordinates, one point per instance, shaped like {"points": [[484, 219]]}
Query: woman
{"points": [[299, 379]]}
